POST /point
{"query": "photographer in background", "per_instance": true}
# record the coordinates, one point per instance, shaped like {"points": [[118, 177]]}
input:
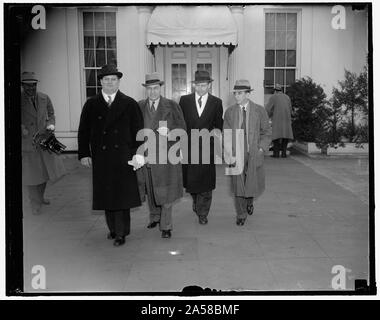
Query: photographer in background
{"points": [[38, 166]]}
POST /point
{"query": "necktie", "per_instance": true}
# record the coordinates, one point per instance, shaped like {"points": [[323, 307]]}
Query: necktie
{"points": [[152, 108], [244, 127], [109, 100], [200, 102]]}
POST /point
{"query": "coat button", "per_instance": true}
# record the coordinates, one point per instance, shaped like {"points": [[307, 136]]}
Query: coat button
{"points": [[104, 132], [116, 146], [104, 147], [115, 131], [100, 117]]}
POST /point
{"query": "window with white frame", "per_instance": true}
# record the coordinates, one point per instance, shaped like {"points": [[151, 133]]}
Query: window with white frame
{"points": [[99, 46], [280, 50]]}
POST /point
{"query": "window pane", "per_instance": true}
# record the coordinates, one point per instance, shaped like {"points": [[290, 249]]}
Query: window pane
{"points": [[111, 57], [270, 40], [99, 21], [280, 58], [90, 78], [269, 58], [100, 58], [291, 58], [89, 60], [290, 77], [88, 21], [291, 40], [281, 21], [90, 92], [269, 21], [279, 76], [111, 42], [268, 78], [88, 41], [280, 40], [179, 77], [292, 21], [100, 42], [111, 20]]}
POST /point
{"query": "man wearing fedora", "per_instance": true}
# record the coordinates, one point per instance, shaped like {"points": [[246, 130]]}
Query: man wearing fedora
{"points": [[201, 111], [38, 166], [162, 182], [107, 142], [279, 108], [253, 120]]}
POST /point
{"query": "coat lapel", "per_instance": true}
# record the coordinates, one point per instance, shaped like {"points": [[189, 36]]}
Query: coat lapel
{"points": [[160, 114], [115, 110], [28, 105]]}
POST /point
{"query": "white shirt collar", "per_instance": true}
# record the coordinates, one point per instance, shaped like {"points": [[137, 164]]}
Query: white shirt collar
{"points": [[105, 96], [156, 102], [204, 97], [244, 106]]}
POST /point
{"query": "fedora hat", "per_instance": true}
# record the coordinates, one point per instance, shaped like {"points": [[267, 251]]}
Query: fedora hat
{"points": [[202, 76], [108, 70], [152, 79], [28, 77], [242, 85], [277, 87]]}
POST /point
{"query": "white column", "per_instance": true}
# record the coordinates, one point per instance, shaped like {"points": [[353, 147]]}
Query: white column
{"points": [[145, 56], [236, 58]]}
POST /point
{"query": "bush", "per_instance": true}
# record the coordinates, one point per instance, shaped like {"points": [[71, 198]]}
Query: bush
{"points": [[310, 112]]}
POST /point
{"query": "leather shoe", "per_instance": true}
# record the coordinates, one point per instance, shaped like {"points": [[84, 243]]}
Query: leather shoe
{"points": [[111, 235], [203, 220], [240, 222], [166, 234], [46, 201], [153, 224], [119, 241], [250, 209]]}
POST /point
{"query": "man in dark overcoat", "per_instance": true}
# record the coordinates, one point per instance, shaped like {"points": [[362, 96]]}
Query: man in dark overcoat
{"points": [[162, 181], [251, 146], [38, 166], [106, 142], [279, 109], [201, 110]]}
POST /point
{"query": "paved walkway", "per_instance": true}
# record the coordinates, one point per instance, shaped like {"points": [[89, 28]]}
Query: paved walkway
{"points": [[303, 225]]}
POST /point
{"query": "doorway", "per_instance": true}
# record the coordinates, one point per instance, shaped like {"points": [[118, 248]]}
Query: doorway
{"points": [[180, 64]]}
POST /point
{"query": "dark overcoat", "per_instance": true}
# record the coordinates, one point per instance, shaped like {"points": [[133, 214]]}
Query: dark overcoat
{"points": [[279, 108], [38, 166], [108, 136], [200, 177], [166, 178], [259, 136]]}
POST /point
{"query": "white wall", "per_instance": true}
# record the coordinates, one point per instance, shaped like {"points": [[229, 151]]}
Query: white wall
{"points": [[331, 51], [53, 54]]}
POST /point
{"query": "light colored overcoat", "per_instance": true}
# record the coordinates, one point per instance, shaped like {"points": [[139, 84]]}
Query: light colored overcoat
{"points": [[37, 166], [259, 136], [279, 108]]}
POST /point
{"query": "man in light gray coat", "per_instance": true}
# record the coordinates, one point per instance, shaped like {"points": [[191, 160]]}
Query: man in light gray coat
{"points": [[252, 119], [279, 108], [38, 166]]}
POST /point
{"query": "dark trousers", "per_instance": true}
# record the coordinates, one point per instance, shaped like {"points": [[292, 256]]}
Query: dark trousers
{"points": [[119, 221], [157, 213], [202, 203], [280, 145], [36, 195]]}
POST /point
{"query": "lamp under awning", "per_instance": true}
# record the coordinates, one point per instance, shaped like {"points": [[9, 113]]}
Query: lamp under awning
{"points": [[177, 25]]}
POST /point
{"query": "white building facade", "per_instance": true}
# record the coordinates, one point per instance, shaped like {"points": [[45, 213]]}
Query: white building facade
{"points": [[264, 44]]}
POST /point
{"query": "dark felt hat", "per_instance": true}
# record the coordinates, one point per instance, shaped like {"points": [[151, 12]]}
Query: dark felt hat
{"points": [[108, 70], [202, 76]]}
